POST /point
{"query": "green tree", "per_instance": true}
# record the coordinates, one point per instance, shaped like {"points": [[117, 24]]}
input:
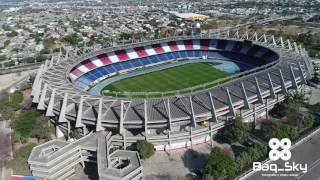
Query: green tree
{"points": [[9, 63], [45, 51], [295, 101], [308, 122], [29, 59], [16, 136], [298, 98], [6, 43], [219, 165], [237, 131], [243, 160], [12, 34], [145, 149], [278, 129], [75, 133], [41, 58], [315, 109], [253, 153], [3, 57], [24, 125], [40, 129], [73, 39]]}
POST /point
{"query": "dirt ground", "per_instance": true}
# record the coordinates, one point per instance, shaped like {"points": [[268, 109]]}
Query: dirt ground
{"points": [[181, 164]]}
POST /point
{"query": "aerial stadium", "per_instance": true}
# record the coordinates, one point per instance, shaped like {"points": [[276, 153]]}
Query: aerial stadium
{"points": [[175, 92]]}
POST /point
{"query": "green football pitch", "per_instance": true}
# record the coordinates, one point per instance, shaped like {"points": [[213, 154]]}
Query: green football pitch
{"points": [[176, 78]]}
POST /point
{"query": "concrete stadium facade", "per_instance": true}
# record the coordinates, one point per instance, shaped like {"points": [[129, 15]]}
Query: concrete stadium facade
{"points": [[178, 121]]}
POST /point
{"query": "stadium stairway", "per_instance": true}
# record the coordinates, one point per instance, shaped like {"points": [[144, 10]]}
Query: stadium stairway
{"points": [[57, 159]]}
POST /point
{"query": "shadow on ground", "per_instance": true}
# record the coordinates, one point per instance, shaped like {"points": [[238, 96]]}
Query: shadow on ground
{"points": [[166, 177], [195, 161], [91, 171]]}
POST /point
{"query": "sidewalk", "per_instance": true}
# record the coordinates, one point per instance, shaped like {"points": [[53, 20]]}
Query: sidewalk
{"points": [[5, 149]]}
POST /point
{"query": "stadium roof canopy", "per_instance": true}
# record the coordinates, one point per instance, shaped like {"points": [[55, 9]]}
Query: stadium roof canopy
{"points": [[191, 16]]}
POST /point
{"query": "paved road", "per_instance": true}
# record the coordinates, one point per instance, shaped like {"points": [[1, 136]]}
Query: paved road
{"points": [[309, 153], [5, 147]]}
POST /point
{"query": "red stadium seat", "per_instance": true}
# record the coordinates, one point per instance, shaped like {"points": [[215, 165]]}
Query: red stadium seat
{"points": [[88, 64], [104, 59]]}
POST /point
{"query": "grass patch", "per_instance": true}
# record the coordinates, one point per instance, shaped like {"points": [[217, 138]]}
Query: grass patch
{"points": [[19, 163], [171, 79], [10, 104]]}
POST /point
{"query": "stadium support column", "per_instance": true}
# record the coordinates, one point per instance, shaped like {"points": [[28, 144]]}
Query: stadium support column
{"points": [[293, 78], [274, 42], [265, 40], [213, 119], [231, 108], [237, 34], [98, 125], [303, 79], [42, 97], [246, 35], [256, 36], [62, 115], [254, 115], [169, 114], [245, 97], [267, 109], [37, 92], [35, 85], [59, 133], [146, 120], [45, 67], [192, 112], [272, 93], [283, 85], [282, 43], [191, 139], [213, 109], [258, 90], [49, 111], [67, 54], [289, 44], [59, 56], [79, 117], [296, 47], [51, 62], [121, 130]]}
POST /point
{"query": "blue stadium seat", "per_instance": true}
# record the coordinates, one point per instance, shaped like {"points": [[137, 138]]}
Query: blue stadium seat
{"points": [[148, 60], [110, 69], [126, 65], [96, 73], [117, 66], [130, 63], [135, 63], [211, 54], [230, 45], [89, 76], [183, 54], [145, 61], [80, 84], [83, 80], [175, 55], [190, 54], [162, 57], [153, 59], [170, 56], [197, 53], [103, 70]]}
